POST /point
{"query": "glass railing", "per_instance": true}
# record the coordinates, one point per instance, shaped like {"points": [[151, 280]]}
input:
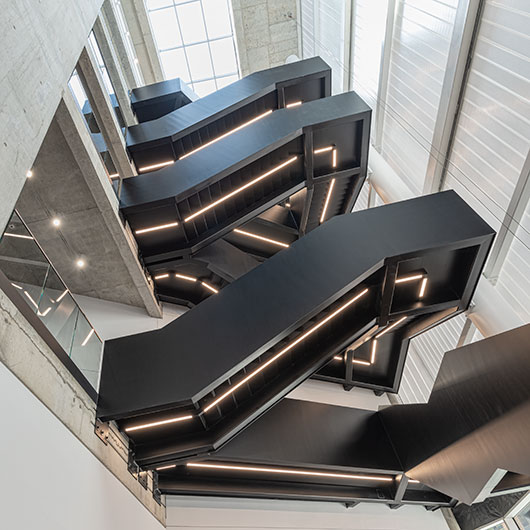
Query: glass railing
{"points": [[28, 269]]}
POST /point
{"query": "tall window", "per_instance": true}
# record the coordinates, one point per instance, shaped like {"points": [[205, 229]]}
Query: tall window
{"points": [[195, 40]]}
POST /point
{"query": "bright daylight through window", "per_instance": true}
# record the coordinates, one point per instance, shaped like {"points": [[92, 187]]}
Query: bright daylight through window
{"points": [[195, 40]]}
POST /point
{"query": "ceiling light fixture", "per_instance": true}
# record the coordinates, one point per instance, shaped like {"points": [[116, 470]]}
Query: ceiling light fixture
{"points": [[187, 278], [261, 238], [334, 158], [359, 361], [156, 166], [293, 104], [326, 203], [153, 228], [62, 296], [160, 276], [286, 349], [80, 263], [15, 285], [166, 467], [158, 423], [45, 312], [242, 188], [283, 471], [374, 349], [114, 175], [29, 174], [231, 131], [20, 236], [423, 287], [208, 286], [87, 338], [386, 330], [56, 221]]}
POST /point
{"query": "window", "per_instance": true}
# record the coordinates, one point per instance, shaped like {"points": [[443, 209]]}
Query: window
{"points": [[195, 40], [523, 518]]}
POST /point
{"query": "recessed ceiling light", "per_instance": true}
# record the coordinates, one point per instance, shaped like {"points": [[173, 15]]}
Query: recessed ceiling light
{"points": [[29, 173], [80, 263], [56, 221]]}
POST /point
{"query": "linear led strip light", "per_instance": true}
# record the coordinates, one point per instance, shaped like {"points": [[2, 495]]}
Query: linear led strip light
{"points": [[242, 188], [155, 228], [189, 279], [293, 104], [333, 150], [290, 471], [261, 238], [232, 389], [228, 133], [413, 278], [20, 236], [155, 166]]}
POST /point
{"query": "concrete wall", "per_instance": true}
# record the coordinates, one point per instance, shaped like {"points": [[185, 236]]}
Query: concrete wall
{"points": [[41, 42], [266, 32], [51, 481]]}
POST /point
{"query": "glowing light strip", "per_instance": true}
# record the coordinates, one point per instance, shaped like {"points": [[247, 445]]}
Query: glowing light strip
{"points": [[286, 349], [15, 285], [114, 175], [158, 423], [17, 235], [91, 332], [224, 135], [156, 166], [208, 286], [328, 196], [153, 228], [334, 158], [289, 471], [45, 312], [160, 276], [242, 188], [323, 150], [62, 296], [422, 288], [261, 238], [356, 361], [31, 299], [412, 481], [293, 104], [166, 467], [187, 278], [409, 278], [374, 349], [386, 330]]}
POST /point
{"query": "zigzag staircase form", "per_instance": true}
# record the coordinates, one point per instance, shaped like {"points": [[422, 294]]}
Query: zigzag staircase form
{"points": [[181, 132], [321, 146], [301, 450], [190, 387], [476, 425]]}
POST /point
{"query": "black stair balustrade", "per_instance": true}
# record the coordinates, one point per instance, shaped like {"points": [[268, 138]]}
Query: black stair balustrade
{"points": [[320, 148], [301, 450], [179, 133], [358, 280], [476, 424]]}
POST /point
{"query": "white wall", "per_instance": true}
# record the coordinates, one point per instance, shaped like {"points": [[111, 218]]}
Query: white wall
{"points": [[50, 481], [201, 513]]}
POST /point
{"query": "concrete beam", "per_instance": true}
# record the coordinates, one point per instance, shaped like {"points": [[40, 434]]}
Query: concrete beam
{"points": [[41, 42], [113, 65], [89, 73], [124, 53], [71, 183], [143, 40]]}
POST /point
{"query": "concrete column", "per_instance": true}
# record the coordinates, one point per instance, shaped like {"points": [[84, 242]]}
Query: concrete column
{"points": [[120, 45], [89, 73], [112, 63], [143, 40], [41, 42]]}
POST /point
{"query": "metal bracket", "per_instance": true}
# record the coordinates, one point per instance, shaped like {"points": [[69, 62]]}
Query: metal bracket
{"points": [[142, 478], [102, 431]]}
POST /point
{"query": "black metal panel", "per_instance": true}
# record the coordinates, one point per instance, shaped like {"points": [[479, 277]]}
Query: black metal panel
{"points": [[206, 352], [150, 102], [228, 108], [476, 422]]}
